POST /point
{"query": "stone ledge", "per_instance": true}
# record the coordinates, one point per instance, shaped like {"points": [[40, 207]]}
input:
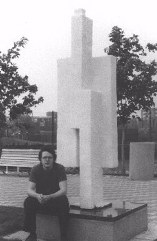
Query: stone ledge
{"points": [[107, 213], [125, 223]]}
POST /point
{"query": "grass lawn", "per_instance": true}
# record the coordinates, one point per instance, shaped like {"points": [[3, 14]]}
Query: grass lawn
{"points": [[11, 220]]}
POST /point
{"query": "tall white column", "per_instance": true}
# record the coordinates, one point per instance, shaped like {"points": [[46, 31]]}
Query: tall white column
{"points": [[87, 122]]}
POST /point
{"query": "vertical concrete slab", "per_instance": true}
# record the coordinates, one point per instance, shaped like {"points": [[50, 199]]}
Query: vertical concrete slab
{"points": [[141, 164], [91, 178], [84, 117], [81, 36], [104, 81]]}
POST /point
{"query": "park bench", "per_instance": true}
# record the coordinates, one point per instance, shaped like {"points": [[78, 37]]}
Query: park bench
{"points": [[19, 158]]}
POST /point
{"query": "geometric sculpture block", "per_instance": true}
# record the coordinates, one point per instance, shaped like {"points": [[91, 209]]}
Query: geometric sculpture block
{"points": [[87, 120], [142, 156]]}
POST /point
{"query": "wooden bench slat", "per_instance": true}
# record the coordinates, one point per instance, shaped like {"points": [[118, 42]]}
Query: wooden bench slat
{"points": [[23, 153], [18, 161], [22, 150], [19, 165], [18, 153], [28, 150], [18, 157]]}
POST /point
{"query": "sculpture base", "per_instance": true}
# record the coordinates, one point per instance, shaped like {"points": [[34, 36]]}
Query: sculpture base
{"points": [[119, 222], [76, 205]]}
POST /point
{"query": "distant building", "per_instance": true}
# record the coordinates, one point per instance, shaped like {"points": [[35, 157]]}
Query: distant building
{"points": [[45, 128]]}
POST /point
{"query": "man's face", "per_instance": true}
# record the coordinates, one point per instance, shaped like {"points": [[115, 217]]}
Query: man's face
{"points": [[47, 160]]}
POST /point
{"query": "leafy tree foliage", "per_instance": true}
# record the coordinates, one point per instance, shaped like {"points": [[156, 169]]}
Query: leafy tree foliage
{"points": [[136, 85], [17, 96]]}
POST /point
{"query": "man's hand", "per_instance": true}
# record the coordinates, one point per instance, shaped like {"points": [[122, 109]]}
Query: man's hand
{"points": [[40, 198], [43, 198]]}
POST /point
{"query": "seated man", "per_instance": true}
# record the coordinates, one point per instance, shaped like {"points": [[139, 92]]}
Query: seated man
{"points": [[46, 192]]}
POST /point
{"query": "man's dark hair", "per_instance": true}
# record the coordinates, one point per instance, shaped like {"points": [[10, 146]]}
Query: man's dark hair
{"points": [[49, 149]]}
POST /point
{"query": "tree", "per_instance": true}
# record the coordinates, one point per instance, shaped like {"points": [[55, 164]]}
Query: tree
{"points": [[22, 125], [17, 96], [136, 85]]}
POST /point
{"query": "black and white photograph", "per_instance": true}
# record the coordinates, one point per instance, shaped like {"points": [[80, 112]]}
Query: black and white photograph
{"points": [[78, 120]]}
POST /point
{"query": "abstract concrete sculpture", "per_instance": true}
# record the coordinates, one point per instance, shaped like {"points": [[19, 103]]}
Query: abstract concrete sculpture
{"points": [[87, 137], [87, 122]]}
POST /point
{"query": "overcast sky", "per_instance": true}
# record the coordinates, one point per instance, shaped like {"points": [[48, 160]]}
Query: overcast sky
{"points": [[47, 24]]}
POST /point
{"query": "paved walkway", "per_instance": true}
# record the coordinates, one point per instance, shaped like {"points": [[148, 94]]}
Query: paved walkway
{"points": [[13, 191]]}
